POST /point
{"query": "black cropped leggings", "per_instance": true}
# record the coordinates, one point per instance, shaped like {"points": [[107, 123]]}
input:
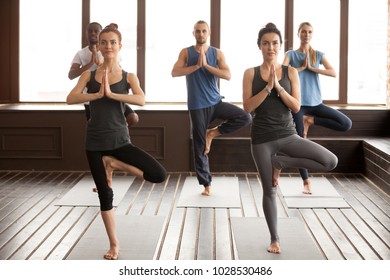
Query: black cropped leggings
{"points": [[153, 171]]}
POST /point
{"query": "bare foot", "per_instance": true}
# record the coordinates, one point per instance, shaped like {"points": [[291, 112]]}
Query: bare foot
{"points": [[307, 122], [112, 254], [210, 134], [306, 187], [274, 248], [207, 191], [275, 177]]}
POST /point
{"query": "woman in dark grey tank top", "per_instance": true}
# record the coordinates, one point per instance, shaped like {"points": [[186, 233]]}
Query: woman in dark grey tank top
{"points": [[272, 91], [108, 145]]}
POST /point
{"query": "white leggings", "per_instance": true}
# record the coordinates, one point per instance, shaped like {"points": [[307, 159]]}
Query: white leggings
{"points": [[293, 152]]}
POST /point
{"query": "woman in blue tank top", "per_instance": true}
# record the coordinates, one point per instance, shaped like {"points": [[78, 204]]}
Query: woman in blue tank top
{"points": [[313, 112], [272, 91]]}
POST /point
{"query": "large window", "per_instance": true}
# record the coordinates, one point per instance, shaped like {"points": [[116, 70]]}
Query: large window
{"points": [[367, 51], [168, 31], [326, 37], [49, 37], [240, 25], [51, 31]]}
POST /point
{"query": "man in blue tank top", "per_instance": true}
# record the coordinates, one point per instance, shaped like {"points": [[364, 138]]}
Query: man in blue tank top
{"points": [[203, 66]]}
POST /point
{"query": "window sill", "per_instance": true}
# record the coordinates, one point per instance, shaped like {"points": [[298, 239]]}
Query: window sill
{"points": [[147, 107]]}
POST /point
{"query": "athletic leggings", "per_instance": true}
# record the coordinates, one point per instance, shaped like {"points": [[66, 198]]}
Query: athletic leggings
{"points": [[323, 116], [153, 171], [292, 151]]}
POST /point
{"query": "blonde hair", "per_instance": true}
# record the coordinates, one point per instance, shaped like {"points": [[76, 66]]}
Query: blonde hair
{"points": [[312, 52]]}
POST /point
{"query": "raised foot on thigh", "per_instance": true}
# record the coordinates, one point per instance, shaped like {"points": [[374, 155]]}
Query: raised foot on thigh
{"points": [[307, 122], [275, 177]]}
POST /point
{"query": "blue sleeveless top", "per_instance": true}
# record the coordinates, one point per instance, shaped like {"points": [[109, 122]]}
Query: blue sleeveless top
{"points": [[107, 128], [310, 81], [202, 86]]}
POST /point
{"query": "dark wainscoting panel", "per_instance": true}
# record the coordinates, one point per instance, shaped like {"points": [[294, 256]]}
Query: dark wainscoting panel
{"points": [[151, 139], [30, 142], [51, 137]]}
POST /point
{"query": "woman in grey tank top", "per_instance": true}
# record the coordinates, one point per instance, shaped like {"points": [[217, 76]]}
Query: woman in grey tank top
{"points": [[272, 91], [108, 145]]}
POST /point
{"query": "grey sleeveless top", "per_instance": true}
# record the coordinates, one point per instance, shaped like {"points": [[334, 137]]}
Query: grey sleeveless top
{"points": [[107, 128], [272, 119]]}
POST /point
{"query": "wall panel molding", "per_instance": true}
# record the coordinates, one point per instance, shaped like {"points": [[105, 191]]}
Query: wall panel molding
{"points": [[31, 142], [151, 139]]}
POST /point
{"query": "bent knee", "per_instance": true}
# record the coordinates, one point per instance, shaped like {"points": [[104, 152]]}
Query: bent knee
{"points": [[347, 125], [156, 177], [332, 162], [247, 118]]}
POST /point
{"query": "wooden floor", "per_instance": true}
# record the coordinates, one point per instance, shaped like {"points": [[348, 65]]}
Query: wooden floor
{"points": [[32, 227]]}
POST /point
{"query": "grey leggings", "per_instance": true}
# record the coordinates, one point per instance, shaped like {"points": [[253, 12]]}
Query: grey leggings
{"points": [[292, 151]]}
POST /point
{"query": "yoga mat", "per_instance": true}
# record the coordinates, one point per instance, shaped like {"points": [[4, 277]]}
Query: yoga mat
{"points": [[82, 195], [225, 193], [320, 186], [316, 202], [138, 238], [252, 238], [324, 195]]}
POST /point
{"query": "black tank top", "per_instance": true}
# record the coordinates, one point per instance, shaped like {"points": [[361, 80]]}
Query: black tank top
{"points": [[107, 128], [272, 119]]}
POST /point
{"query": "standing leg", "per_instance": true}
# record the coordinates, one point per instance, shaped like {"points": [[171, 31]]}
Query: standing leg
{"points": [[302, 129], [106, 197], [262, 154], [200, 120], [109, 223]]}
